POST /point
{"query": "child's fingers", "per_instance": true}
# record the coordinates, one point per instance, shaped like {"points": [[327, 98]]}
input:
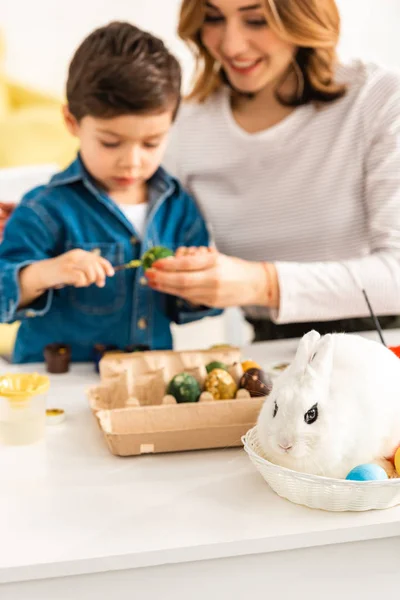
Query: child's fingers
{"points": [[94, 274], [107, 267], [79, 279], [101, 275]]}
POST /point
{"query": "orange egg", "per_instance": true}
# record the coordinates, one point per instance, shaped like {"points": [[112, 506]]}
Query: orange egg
{"points": [[395, 350], [397, 461], [250, 364]]}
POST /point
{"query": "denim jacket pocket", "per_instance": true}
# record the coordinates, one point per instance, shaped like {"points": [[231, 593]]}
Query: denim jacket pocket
{"points": [[93, 300]]}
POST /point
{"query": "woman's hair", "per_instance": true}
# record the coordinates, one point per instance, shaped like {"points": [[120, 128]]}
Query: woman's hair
{"points": [[311, 25]]}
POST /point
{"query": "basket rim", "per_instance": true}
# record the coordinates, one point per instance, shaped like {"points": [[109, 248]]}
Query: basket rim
{"points": [[308, 476]]}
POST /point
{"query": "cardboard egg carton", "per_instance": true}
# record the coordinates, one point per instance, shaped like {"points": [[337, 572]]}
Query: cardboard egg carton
{"points": [[136, 415]]}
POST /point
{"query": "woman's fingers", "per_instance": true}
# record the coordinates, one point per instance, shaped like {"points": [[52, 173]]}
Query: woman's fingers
{"points": [[6, 208], [191, 251], [188, 262], [181, 280]]}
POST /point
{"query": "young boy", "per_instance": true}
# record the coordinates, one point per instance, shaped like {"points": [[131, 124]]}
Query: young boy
{"points": [[107, 208]]}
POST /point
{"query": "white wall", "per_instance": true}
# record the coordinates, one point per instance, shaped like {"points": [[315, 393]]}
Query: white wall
{"points": [[42, 34]]}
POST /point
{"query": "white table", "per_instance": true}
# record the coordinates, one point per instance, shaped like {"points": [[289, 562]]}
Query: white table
{"points": [[78, 523]]}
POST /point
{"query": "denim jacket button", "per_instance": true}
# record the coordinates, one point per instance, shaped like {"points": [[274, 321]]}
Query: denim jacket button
{"points": [[30, 313], [142, 323], [134, 240], [143, 281]]}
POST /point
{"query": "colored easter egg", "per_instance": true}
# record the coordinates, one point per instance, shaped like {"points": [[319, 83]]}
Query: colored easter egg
{"points": [[257, 382], [154, 254], [395, 350], [220, 384], [221, 346], [397, 461], [368, 472], [216, 364], [184, 388], [250, 364]]}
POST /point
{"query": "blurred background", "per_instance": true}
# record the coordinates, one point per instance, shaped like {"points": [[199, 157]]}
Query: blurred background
{"points": [[41, 36], [37, 40]]}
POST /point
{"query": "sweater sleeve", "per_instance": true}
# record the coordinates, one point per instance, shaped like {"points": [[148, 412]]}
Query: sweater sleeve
{"points": [[323, 291]]}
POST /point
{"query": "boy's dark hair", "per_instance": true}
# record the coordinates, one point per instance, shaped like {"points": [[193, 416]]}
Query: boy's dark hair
{"points": [[120, 69]]}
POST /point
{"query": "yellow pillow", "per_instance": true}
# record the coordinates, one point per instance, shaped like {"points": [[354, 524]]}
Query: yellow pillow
{"points": [[4, 97], [21, 96], [35, 135]]}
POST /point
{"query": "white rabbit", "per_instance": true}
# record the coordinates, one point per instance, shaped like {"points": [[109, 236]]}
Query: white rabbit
{"points": [[335, 407]]}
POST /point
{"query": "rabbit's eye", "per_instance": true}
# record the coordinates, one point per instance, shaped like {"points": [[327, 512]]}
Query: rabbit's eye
{"points": [[311, 415], [275, 410]]}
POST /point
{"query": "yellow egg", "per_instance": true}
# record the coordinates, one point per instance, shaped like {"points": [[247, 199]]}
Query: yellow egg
{"points": [[250, 364], [220, 384], [397, 461]]}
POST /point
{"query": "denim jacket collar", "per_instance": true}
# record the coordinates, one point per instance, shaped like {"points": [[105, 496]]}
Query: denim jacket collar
{"points": [[161, 185]]}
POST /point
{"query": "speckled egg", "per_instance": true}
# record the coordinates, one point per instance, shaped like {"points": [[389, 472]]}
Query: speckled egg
{"points": [[397, 461], [220, 384], [257, 382], [368, 472], [184, 388]]}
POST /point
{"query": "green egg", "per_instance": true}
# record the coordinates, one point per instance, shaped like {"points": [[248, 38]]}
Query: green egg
{"points": [[216, 364], [184, 388], [153, 254]]}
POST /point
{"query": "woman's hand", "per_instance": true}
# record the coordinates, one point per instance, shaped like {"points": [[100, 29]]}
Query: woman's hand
{"points": [[204, 276], [6, 209]]}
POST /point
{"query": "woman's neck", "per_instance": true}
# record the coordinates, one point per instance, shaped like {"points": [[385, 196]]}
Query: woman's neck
{"points": [[263, 110]]}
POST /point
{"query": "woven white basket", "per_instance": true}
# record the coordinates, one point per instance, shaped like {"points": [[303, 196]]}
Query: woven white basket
{"points": [[321, 492]]}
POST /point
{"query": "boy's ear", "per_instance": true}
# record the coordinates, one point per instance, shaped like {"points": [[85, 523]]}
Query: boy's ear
{"points": [[70, 121]]}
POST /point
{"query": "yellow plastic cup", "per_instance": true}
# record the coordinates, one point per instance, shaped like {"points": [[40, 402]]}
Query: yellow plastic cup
{"points": [[23, 408]]}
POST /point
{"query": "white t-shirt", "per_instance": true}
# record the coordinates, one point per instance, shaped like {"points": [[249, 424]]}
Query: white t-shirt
{"points": [[136, 214], [318, 194]]}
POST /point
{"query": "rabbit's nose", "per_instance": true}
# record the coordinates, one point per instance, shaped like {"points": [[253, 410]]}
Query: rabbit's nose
{"points": [[285, 445]]}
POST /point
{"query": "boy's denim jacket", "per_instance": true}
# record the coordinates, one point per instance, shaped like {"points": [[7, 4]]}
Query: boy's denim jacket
{"points": [[71, 212]]}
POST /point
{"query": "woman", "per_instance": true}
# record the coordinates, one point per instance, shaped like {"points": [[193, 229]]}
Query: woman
{"points": [[295, 161], [6, 208]]}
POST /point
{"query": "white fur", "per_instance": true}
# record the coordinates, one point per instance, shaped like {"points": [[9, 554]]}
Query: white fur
{"points": [[356, 384]]}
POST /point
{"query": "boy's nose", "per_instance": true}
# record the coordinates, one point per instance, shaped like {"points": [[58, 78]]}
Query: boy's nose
{"points": [[134, 159]]}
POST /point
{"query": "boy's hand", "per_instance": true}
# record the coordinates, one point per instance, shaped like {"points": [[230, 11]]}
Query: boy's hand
{"points": [[76, 267]]}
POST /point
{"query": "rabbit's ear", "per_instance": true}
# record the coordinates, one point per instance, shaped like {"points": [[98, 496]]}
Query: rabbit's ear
{"points": [[322, 360], [306, 349]]}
